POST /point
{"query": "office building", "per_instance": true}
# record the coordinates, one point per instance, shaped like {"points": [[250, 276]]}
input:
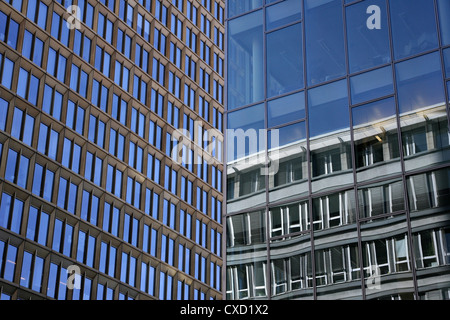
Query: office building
{"points": [[337, 149], [110, 139]]}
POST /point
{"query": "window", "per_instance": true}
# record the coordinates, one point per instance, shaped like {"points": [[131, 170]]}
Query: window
{"points": [[151, 203], [324, 38], [246, 229], [126, 12], [86, 12], [128, 269], [57, 282], [32, 48], [123, 43], [191, 39], [78, 80], [413, 28], [107, 259], [89, 207], [136, 156], [43, 181], [176, 26], [11, 210], [102, 60], [159, 41], [381, 199], [28, 86], [32, 271], [137, 122], [100, 94], [141, 57], [22, 126], [93, 168], [154, 135], [153, 168], [116, 144], [140, 89], [48, 141], [52, 102], [105, 27], [9, 30], [148, 278], [121, 75], [150, 240], [114, 180], [134, 189], [17, 168], [67, 195], [158, 71], [56, 64], [378, 84], [82, 46], [6, 71], [111, 219], [96, 132], [38, 223], [75, 117], [362, 56], [59, 29], [119, 109], [62, 237], [8, 263], [71, 157], [284, 63]]}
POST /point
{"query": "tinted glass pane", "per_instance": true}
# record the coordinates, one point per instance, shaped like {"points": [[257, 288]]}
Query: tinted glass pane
{"points": [[324, 40], [236, 7], [283, 13], [284, 62], [366, 47], [328, 108], [245, 67], [371, 85], [447, 62], [413, 27], [444, 19], [419, 83], [244, 128], [286, 109]]}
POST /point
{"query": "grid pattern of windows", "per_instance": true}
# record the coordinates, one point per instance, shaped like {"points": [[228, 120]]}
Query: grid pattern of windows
{"points": [[87, 180], [337, 149]]}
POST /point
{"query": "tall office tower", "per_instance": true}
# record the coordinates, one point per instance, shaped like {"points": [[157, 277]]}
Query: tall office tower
{"points": [[338, 172], [110, 132]]}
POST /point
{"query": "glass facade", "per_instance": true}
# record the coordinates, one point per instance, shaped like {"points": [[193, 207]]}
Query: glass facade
{"points": [[111, 149], [337, 149]]}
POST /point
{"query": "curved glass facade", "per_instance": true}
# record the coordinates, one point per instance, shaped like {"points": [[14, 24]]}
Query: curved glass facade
{"points": [[337, 149]]}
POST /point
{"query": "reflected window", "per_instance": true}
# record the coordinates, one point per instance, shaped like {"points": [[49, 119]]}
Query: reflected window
{"points": [[245, 59], [413, 27], [325, 52], [419, 83], [284, 62], [381, 199], [334, 210], [375, 132], [289, 219], [367, 48], [246, 229]]}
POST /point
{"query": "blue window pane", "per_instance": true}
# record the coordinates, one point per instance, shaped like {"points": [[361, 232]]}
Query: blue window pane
{"points": [[419, 83], [10, 173], [43, 228], [26, 269], [371, 85], [446, 61], [245, 67], [23, 172], [413, 27], [3, 113], [22, 83], [324, 40], [244, 125], [366, 47], [283, 13], [284, 62], [13, 33], [444, 18], [8, 72], [286, 135], [236, 7], [286, 109], [330, 100]]}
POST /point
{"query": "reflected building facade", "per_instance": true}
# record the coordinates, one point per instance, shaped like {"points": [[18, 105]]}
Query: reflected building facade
{"points": [[102, 110], [338, 172]]}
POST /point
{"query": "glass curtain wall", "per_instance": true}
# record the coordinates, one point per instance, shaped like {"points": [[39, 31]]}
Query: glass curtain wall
{"points": [[337, 149]]}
